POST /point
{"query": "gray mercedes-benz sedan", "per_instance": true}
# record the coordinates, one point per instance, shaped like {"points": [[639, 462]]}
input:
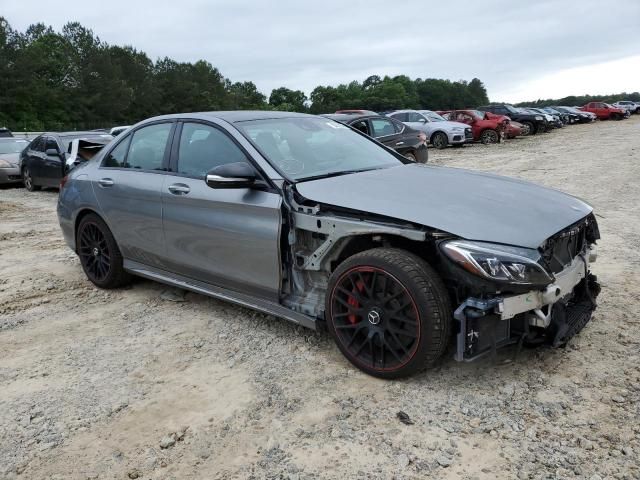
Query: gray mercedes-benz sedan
{"points": [[312, 221]]}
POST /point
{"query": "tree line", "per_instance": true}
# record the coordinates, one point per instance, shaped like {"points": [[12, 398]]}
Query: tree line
{"points": [[73, 80]]}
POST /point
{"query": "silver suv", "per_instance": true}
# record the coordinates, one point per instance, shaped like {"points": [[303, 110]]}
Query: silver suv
{"points": [[440, 131]]}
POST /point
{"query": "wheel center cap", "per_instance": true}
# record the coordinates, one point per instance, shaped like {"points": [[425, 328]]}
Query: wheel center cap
{"points": [[96, 251], [374, 317]]}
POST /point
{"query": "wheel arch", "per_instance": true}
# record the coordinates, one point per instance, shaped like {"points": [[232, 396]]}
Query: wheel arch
{"points": [[359, 243], [79, 216]]}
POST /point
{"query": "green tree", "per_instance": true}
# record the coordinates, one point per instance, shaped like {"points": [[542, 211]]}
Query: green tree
{"points": [[288, 100]]}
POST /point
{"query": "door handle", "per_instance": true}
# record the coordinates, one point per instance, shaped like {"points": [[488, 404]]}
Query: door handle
{"points": [[105, 182], [399, 143], [179, 189]]}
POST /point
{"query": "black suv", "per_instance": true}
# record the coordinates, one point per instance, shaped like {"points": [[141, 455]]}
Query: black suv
{"points": [[536, 123]]}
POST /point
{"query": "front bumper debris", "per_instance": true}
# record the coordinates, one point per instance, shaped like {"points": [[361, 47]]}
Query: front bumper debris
{"points": [[556, 313]]}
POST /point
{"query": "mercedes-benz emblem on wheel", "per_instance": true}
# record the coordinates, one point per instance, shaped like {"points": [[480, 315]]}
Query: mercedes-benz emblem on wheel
{"points": [[374, 317]]}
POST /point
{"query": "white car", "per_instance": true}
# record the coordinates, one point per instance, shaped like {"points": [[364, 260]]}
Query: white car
{"points": [[632, 107], [440, 132]]}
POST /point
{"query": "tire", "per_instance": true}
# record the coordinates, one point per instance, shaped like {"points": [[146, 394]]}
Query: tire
{"points": [[439, 140], [27, 179], [99, 254], [394, 304], [411, 156], [531, 127], [489, 136]]}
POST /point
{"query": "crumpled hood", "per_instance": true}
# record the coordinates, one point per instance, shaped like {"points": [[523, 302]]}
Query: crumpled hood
{"points": [[472, 205], [12, 158]]}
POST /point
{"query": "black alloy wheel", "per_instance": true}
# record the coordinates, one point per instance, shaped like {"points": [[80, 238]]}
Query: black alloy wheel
{"points": [[388, 312], [99, 254], [375, 318], [94, 252]]}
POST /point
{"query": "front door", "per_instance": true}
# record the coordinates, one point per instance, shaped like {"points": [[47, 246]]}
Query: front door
{"points": [[51, 167], [128, 185], [226, 237]]}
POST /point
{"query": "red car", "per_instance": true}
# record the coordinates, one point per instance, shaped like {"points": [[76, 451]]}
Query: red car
{"points": [[604, 111], [515, 129], [486, 127]]}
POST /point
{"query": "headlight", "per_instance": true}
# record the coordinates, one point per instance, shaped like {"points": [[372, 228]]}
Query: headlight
{"points": [[457, 129], [498, 262], [5, 164], [538, 117]]}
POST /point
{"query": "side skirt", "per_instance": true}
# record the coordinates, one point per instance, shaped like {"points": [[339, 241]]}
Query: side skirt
{"points": [[221, 293]]}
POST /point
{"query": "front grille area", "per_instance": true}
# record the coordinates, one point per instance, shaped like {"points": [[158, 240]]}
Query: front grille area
{"points": [[468, 133], [559, 250]]}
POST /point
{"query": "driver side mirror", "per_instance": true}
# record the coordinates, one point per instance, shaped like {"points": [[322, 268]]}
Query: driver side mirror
{"points": [[422, 120], [231, 175]]}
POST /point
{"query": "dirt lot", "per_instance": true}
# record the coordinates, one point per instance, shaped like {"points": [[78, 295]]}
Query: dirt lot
{"points": [[134, 384]]}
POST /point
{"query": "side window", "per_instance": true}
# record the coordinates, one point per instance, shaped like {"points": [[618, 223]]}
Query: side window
{"points": [[117, 156], [398, 126], [414, 117], [382, 127], [148, 146], [51, 144], [363, 126], [203, 147], [38, 144], [403, 117]]}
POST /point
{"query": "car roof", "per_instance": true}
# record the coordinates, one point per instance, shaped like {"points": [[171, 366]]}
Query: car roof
{"points": [[347, 117], [234, 116], [13, 139], [75, 134]]}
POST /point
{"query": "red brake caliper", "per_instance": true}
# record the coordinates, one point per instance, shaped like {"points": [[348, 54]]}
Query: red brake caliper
{"points": [[354, 303]]}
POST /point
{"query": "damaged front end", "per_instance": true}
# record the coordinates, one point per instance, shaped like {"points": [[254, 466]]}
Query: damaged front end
{"points": [[525, 296]]}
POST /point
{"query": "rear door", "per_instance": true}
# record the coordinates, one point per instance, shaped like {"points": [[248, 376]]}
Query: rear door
{"points": [[383, 130], [128, 185], [226, 237], [35, 159]]}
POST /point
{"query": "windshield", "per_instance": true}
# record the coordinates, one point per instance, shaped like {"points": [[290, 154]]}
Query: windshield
{"points": [[304, 148], [511, 109], [478, 113], [12, 146], [432, 116]]}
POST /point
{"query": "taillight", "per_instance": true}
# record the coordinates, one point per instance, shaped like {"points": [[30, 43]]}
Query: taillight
{"points": [[63, 182]]}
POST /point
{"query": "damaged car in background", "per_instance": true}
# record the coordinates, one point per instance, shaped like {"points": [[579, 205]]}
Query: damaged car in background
{"points": [[306, 219]]}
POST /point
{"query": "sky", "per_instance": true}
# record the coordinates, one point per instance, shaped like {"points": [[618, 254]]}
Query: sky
{"points": [[520, 50]]}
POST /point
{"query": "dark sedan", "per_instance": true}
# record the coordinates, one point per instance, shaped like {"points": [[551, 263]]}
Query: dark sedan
{"points": [[392, 133], [42, 162]]}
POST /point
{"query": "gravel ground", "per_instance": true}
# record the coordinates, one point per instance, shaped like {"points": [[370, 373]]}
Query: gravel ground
{"points": [[147, 382]]}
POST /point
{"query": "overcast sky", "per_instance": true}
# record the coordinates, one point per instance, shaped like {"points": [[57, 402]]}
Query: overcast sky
{"points": [[521, 50]]}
